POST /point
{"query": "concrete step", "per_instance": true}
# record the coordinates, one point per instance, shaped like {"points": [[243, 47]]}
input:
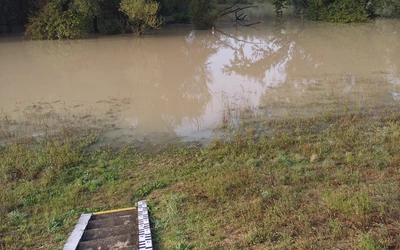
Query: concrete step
{"points": [[109, 230], [127, 241], [112, 222], [106, 232], [115, 214]]}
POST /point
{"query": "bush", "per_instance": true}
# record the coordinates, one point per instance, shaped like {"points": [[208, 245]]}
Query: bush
{"points": [[110, 26], [391, 9], [395, 12], [345, 11], [177, 6], [179, 9], [53, 22], [142, 14], [341, 11], [201, 14], [313, 12]]}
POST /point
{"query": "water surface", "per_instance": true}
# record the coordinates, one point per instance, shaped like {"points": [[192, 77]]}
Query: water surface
{"points": [[179, 82]]}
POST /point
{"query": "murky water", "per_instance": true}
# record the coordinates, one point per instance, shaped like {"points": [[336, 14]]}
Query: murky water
{"points": [[183, 82]]}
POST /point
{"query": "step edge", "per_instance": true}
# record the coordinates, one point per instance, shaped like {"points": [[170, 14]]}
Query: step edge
{"points": [[115, 211], [92, 226], [116, 226], [126, 229], [113, 217], [112, 237], [77, 233]]}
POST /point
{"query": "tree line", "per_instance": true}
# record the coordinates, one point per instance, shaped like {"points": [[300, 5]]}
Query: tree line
{"points": [[68, 19], [341, 11]]}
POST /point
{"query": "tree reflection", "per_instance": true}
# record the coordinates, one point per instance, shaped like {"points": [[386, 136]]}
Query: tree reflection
{"points": [[309, 65], [256, 56], [298, 49]]}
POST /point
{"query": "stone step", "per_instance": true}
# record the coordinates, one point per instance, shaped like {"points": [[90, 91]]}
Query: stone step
{"points": [[127, 241], [112, 222], [115, 214], [106, 232]]}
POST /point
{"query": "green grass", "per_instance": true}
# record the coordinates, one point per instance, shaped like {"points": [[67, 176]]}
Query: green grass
{"points": [[328, 182]]}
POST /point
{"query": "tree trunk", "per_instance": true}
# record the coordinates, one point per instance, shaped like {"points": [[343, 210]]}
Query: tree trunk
{"points": [[8, 23], [95, 25]]}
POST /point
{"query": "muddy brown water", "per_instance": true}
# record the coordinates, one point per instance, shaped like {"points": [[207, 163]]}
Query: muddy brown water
{"points": [[180, 82]]}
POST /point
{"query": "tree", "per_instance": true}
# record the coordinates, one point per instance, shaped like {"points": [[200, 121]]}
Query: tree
{"points": [[7, 13], [201, 13], [341, 11], [142, 15], [57, 20], [90, 8], [178, 9]]}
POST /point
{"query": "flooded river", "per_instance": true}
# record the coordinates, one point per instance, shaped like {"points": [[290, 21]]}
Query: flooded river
{"points": [[179, 82]]}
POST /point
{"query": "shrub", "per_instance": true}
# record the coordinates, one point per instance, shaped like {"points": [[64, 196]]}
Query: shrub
{"points": [[176, 6], [53, 22], [338, 11], [345, 11], [395, 10], [110, 25], [391, 8], [313, 12], [142, 14], [201, 13], [179, 9]]}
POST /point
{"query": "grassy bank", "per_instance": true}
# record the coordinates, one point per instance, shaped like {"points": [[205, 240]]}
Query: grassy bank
{"points": [[329, 182]]}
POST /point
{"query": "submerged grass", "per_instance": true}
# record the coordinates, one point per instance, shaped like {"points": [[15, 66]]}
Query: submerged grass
{"points": [[328, 182]]}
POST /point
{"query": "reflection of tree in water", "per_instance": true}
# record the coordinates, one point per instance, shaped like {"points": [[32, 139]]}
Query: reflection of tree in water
{"points": [[314, 60], [254, 55], [298, 49]]}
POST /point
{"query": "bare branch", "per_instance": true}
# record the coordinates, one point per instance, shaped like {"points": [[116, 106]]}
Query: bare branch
{"points": [[251, 24], [238, 39], [230, 10]]}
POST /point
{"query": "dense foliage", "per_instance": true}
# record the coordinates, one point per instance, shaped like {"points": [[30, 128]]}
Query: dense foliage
{"points": [[142, 14], [342, 11], [57, 22], [59, 19], [179, 9], [201, 13]]}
